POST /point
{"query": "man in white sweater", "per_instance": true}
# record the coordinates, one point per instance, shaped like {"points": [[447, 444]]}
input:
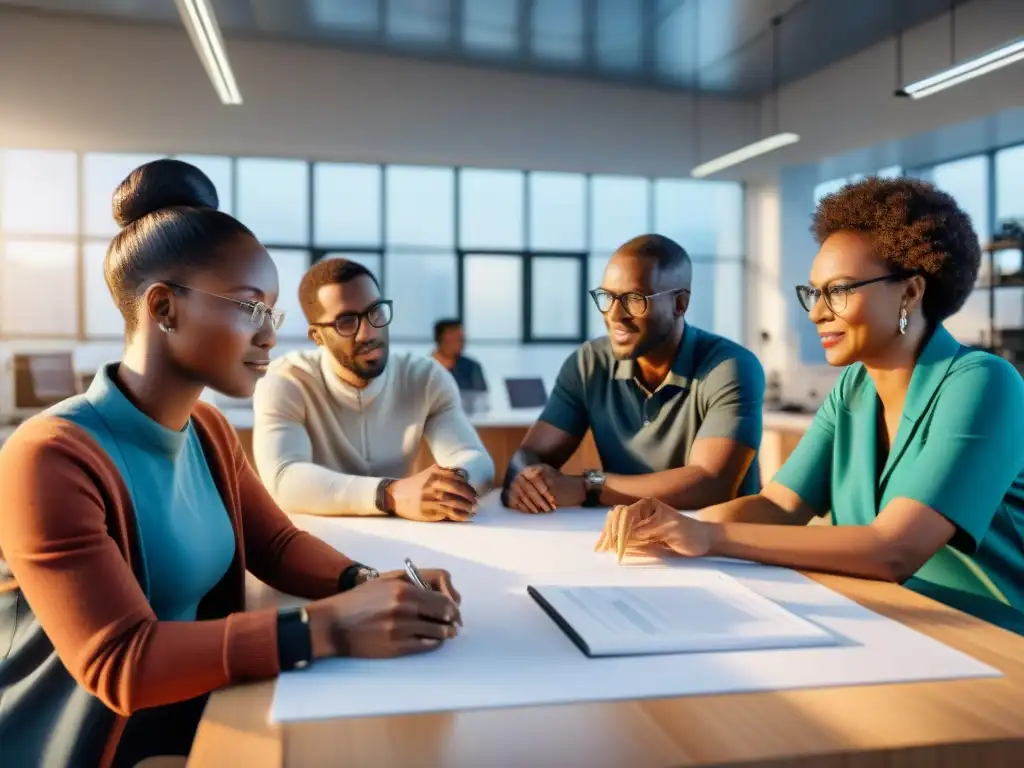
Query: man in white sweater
{"points": [[337, 429]]}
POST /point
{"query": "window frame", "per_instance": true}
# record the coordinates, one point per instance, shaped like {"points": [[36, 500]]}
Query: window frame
{"points": [[316, 251]]}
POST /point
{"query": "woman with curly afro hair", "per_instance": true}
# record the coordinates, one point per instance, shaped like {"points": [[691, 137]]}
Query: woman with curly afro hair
{"points": [[917, 452]]}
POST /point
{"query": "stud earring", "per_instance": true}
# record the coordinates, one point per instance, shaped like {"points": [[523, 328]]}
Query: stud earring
{"points": [[903, 321]]}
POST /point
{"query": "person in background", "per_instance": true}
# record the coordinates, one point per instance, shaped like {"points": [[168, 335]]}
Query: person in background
{"points": [[449, 341], [337, 429], [130, 514], [675, 411], [918, 450]]}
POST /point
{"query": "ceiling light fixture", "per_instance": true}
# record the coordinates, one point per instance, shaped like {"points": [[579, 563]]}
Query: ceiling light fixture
{"points": [[202, 27], [968, 70], [777, 140]]}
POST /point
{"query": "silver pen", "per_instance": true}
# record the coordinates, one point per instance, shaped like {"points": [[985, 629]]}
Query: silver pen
{"points": [[414, 575]]}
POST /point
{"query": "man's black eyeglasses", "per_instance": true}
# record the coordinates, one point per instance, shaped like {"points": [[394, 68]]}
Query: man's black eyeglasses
{"points": [[347, 324], [633, 304], [836, 294]]}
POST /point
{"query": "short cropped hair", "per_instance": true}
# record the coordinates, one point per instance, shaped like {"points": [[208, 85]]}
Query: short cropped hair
{"points": [[916, 228], [441, 327], [327, 272], [668, 255]]}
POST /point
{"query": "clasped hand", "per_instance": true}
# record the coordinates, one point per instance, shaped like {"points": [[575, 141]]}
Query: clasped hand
{"points": [[435, 494], [542, 488], [651, 527]]}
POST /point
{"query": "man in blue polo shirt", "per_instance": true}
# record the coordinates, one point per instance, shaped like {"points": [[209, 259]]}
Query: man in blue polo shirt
{"points": [[675, 411]]}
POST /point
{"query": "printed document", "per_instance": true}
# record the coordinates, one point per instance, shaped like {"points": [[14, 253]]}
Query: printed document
{"points": [[716, 613]]}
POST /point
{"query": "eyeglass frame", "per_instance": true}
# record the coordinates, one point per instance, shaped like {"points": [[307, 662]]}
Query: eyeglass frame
{"points": [[892, 277], [617, 297], [360, 316], [276, 316]]}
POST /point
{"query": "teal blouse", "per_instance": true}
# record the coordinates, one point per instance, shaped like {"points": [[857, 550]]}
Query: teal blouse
{"points": [[187, 542], [959, 449]]}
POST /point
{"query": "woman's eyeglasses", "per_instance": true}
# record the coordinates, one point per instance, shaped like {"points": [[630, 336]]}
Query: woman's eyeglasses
{"points": [[378, 315], [258, 311], [836, 295], [633, 304]]}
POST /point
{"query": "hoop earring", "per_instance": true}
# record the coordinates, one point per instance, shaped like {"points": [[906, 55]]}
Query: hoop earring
{"points": [[903, 321], [166, 328]]}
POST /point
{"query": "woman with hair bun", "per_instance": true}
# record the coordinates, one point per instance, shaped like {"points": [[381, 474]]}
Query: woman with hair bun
{"points": [[918, 451], [130, 514]]}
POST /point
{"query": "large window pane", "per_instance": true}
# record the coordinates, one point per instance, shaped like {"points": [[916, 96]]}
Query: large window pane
{"points": [[490, 209], [595, 271], [558, 30], [25, 308], [291, 266], [490, 26], [353, 16], [619, 39], [618, 211], [967, 181], [348, 204], [827, 188], [555, 297], [273, 199], [218, 169], [103, 173], [705, 217], [717, 298], [371, 261], [102, 317], [422, 285], [39, 192], [1010, 184], [493, 298], [889, 172], [558, 211], [426, 22], [420, 206]]}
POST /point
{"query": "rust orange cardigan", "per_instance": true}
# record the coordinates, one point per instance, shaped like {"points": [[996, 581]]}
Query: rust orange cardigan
{"points": [[67, 534]]}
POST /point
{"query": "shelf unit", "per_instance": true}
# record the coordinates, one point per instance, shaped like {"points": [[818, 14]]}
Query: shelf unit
{"points": [[1004, 341]]}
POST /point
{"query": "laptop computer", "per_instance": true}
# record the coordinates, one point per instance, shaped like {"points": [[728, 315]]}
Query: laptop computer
{"points": [[526, 393]]}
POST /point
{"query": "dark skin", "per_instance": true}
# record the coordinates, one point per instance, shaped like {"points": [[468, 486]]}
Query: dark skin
{"points": [[211, 342], [716, 466], [450, 346], [436, 493], [771, 527]]}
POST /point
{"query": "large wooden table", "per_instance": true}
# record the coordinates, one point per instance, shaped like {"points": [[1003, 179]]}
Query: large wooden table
{"points": [[961, 722]]}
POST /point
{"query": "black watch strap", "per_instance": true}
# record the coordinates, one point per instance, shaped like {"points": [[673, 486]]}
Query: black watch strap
{"points": [[349, 577], [294, 645], [382, 500]]}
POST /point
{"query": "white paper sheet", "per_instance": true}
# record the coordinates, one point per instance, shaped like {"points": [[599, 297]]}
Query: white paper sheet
{"points": [[673, 611], [511, 654]]}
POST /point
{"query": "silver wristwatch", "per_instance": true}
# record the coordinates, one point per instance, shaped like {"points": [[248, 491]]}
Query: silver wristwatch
{"points": [[365, 574], [593, 483]]}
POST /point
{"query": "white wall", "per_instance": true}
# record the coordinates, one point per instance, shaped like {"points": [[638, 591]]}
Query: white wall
{"points": [[84, 84], [851, 104]]}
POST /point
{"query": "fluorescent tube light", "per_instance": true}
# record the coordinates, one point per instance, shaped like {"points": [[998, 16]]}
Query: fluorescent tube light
{"points": [[741, 155], [202, 27], [980, 65]]}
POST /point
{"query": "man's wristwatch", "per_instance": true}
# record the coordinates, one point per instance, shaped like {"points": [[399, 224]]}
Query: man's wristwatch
{"points": [[294, 644], [354, 575], [383, 498], [593, 483]]}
